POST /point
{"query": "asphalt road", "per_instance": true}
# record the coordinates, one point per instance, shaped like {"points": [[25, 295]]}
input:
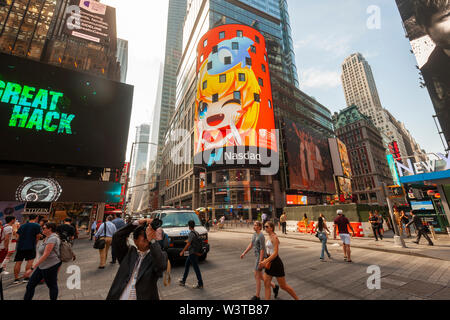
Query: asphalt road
{"points": [[227, 277]]}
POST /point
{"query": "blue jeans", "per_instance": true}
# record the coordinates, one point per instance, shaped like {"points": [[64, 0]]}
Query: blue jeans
{"points": [[50, 277], [192, 259], [323, 239]]}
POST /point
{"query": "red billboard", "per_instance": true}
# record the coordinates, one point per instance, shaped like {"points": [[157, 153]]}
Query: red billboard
{"points": [[234, 106]]}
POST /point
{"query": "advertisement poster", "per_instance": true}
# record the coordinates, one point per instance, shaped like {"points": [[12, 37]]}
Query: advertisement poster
{"points": [[95, 22], [309, 160], [59, 116], [345, 161], [427, 25], [345, 187], [234, 108], [11, 209]]}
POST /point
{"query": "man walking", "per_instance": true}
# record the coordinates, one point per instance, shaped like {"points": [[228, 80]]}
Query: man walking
{"points": [[106, 231], [283, 220], [373, 220], [193, 244], [119, 223], [421, 229], [342, 224], [28, 234], [6, 233], [259, 243], [66, 231]]}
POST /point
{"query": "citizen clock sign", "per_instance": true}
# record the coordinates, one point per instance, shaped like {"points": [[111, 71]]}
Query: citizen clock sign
{"points": [[39, 190]]}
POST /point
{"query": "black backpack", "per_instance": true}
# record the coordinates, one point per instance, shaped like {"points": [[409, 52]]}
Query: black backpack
{"points": [[197, 244]]}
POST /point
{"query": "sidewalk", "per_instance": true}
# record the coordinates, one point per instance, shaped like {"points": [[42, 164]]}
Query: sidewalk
{"points": [[440, 250]]}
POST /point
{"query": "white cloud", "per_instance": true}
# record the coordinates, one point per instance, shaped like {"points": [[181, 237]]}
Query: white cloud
{"points": [[317, 78], [338, 45]]}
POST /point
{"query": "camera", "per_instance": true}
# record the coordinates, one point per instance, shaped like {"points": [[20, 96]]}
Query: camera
{"points": [[156, 224]]}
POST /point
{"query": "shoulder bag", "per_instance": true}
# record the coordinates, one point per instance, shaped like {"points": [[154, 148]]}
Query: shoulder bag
{"points": [[100, 243]]}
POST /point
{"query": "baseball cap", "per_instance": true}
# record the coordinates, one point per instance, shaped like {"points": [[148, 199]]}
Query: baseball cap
{"points": [[339, 211]]}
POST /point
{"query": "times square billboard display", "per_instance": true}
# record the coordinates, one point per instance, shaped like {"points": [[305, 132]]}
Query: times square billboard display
{"points": [[427, 24], [309, 160], [234, 118], [58, 116]]}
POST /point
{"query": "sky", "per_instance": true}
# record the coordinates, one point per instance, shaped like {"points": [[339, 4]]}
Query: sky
{"points": [[324, 32]]}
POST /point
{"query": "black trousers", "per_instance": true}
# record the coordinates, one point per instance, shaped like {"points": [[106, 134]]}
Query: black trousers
{"points": [[283, 227], [50, 277], [422, 232], [376, 230]]}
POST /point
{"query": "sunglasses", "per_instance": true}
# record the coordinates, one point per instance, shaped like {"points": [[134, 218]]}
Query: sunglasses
{"points": [[266, 227]]}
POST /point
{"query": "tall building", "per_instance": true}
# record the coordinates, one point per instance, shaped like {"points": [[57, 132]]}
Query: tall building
{"points": [[242, 190], [168, 82], [360, 90], [140, 152], [37, 29], [122, 58], [367, 155]]}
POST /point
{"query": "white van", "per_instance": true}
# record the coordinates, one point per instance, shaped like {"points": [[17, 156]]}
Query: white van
{"points": [[175, 225]]}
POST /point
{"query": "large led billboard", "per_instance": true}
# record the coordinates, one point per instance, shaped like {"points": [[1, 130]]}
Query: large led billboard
{"points": [[427, 24], [46, 189], [341, 160], [59, 116], [91, 20], [309, 166], [234, 118]]}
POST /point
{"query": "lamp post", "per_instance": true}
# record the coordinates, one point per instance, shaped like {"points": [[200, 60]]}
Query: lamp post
{"points": [[129, 168]]}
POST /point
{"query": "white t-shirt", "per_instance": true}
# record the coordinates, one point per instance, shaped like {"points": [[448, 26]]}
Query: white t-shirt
{"points": [[6, 230]]}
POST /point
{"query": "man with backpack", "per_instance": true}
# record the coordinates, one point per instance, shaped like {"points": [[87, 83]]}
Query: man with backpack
{"points": [[66, 231], [194, 245]]}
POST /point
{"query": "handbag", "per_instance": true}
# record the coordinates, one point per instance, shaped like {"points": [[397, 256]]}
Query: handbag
{"points": [[100, 243]]}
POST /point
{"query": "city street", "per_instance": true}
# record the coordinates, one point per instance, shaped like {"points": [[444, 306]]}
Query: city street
{"points": [[226, 277]]}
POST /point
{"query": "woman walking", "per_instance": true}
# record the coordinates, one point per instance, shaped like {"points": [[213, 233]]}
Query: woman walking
{"points": [[306, 222], [321, 227], [48, 264], [273, 264]]}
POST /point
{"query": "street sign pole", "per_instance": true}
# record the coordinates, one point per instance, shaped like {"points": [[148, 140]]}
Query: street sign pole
{"points": [[398, 240]]}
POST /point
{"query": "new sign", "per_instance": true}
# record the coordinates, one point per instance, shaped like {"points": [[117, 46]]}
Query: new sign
{"points": [[423, 166]]}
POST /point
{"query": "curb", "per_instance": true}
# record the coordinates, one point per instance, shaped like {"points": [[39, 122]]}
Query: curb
{"points": [[408, 253]]}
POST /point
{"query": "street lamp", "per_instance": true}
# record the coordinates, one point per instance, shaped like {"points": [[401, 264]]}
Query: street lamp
{"points": [[131, 161]]}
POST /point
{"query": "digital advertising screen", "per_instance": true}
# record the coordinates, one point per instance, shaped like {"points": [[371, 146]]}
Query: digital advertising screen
{"points": [[58, 116], [310, 166], [46, 189], [296, 200], [427, 24], [422, 205], [91, 20], [234, 118], [340, 158]]}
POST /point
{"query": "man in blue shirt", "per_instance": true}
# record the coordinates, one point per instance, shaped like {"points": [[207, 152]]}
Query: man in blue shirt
{"points": [[29, 235], [105, 231], [119, 223]]}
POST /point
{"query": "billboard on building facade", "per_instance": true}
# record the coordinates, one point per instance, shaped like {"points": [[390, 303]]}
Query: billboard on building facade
{"points": [[309, 160], [427, 25], [46, 189], [234, 118], [341, 160], [91, 20], [58, 116]]}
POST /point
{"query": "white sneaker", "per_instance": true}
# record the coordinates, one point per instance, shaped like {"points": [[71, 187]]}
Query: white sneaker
{"points": [[5, 272]]}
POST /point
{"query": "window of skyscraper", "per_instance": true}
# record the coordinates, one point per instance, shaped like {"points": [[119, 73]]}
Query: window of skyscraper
{"points": [[205, 43], [235, 45], [215, 49], [261, 82], [263, 67], [215, 97], [240, 34], [227, 60], [223, 78], [248, 61], [205, 85], [257, 39], [237, 95], [253, 49], [257, 97], [241, 76], [222, 35]]}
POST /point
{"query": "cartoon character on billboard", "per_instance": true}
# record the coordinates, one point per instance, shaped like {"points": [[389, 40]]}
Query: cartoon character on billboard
{"points": [[228, 105]]}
